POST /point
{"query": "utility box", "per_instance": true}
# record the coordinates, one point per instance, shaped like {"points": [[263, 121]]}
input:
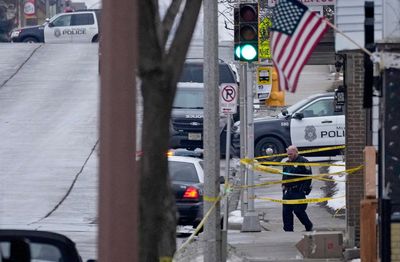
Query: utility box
{"points": [[321, 245]]}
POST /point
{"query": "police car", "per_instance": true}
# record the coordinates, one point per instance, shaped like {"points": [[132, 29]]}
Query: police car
{"points": [[79, 26], [308, 124]]}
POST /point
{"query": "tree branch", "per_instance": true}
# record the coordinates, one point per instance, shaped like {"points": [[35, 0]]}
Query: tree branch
{"points": [[169, 19], [180, 44], [150, 48], [226, 18]]}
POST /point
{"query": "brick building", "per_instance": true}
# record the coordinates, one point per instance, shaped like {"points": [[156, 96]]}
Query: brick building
{"points": [[355, 139]]}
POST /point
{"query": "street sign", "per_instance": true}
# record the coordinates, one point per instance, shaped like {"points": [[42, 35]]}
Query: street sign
{"points": [[263, 31], [264, 82], [228, 98]]}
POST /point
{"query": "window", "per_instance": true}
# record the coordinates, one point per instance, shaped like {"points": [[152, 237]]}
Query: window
{"points": [[19, 250], [182, 171], [82, 19], [189, 98], [64, 20], [193, 72], [319, 108]]}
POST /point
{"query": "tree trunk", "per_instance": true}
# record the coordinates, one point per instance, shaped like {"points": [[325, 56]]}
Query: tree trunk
{"points": [[159, 70], [157, 227]]}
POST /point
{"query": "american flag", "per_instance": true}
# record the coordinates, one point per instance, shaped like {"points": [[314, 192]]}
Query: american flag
{"points": [[295, 32]]}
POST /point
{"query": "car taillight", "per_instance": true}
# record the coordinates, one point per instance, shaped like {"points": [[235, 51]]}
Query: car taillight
{"points": [[191, 193]]}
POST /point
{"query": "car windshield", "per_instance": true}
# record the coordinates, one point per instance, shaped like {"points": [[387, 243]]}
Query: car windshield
{"points": [[193, 72], [192, 98], [293, 108], [39, 252], [183, 171]]}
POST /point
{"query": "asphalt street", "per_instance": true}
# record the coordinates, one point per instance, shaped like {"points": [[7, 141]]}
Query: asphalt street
{"points": [[49, 98]]}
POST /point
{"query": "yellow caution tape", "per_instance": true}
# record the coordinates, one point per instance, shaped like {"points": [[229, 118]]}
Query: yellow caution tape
{"points": [[298, 164], [338, 210], [165, 259], [298, 201], [306, 177], [211, 199], [306, 151], [267, 169], [199, 226]]}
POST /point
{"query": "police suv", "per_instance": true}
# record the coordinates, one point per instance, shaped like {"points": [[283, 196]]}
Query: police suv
{"points": [[186, 127], [311, 123], [79, 27]]}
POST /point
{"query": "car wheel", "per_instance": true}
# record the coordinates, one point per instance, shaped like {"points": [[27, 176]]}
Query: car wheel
{"points": [[268, 142], [95, 39], [30, 40]]}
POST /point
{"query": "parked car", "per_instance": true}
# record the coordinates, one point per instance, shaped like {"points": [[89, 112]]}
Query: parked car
{"points": [[186, 130], [192, 72], [187, 178], [310, 123], [72, 27], [37, 246]]}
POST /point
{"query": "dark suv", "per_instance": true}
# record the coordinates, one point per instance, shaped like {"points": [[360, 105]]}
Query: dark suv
{"points": [[187, 113], [193, 72]]}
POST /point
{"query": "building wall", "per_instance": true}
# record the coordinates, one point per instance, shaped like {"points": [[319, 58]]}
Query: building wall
{"points": [[355, 140], [395, 237]]}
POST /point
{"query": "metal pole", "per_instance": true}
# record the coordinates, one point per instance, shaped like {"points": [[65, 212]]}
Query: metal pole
{"points": [[243, 135], [251, 223], [212, 227], [47, 9], [118, 180], [226, 201]]}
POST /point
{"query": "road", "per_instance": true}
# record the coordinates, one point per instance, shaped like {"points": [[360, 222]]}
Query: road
{"points": [[49, 98]]}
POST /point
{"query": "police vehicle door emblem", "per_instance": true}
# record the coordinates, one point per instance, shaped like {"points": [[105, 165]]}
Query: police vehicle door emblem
{"points": [[310, 133], [57, 32]]}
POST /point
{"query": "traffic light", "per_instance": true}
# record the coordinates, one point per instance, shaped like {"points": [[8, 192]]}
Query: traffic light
{"points": [[277, 97], [246, 32], [236, 37]]}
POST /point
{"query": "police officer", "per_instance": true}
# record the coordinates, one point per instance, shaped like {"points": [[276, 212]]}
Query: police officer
{"points": [[295, 190]]}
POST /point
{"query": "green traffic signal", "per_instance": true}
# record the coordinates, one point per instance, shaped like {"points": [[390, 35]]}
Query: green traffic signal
{"points": [[246, 18], [237, 52], [248, 52]]}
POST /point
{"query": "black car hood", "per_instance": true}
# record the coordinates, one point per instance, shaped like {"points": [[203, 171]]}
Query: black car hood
{"points": [[28, 28]]}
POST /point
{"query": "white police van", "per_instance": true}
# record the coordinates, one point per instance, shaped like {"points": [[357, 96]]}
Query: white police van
{"points": [[71, 27], [309, 124]]}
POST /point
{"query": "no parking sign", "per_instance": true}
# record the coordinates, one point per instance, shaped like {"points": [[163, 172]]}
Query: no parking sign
{"points": [[228, 94]]}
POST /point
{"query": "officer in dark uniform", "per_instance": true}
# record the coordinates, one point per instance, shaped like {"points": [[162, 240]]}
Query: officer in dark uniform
{"points": [[296, 190]]}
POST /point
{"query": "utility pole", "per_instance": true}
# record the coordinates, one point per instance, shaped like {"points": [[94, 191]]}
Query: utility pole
{"points": [[243, 135], [389, 150], [212, 227], [251, 222], [118, 181], [47, 9]]}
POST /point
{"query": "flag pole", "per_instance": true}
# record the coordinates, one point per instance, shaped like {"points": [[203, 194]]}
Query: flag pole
{"points": [[351, 40]]}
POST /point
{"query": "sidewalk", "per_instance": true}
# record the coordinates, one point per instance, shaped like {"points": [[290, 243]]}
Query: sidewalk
{"points": [[272, 243]]}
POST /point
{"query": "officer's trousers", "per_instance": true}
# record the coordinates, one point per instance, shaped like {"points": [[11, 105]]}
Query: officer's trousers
{"points": [[298, 209]]}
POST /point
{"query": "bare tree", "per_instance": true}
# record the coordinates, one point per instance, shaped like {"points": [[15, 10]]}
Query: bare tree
{"points": [[160, 65]]}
